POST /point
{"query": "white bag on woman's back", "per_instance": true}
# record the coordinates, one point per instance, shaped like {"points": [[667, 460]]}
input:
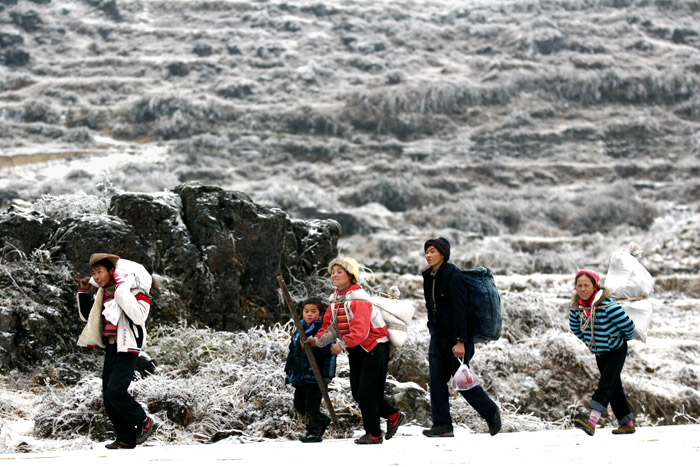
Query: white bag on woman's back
{"points": [[631, 284]]}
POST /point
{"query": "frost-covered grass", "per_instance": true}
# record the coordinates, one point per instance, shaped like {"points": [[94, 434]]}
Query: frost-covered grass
{"points": [[207, 386]]}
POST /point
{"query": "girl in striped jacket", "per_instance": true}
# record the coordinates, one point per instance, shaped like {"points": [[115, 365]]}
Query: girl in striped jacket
{"points": [[605, 328]]}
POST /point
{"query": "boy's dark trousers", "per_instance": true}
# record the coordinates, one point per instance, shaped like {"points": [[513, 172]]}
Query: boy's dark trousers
{"points": [[307, 401], [443, 365], [123, 411], [610, 389], [367, 380]]}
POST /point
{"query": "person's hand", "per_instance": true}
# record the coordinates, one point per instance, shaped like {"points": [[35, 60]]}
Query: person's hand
{"points": [[118, 278], [458, 350], [336, 349], [309, 340], [83, 282]]}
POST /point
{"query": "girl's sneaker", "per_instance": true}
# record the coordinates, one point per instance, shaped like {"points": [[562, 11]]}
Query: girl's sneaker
{"points": [[370, 439]]}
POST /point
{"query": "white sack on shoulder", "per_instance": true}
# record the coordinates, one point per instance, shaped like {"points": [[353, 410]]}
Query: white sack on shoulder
{"points": [[142, 279]]}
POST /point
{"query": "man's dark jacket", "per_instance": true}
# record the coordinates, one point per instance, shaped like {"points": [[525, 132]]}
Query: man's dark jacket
{"points": [[449, 318]]}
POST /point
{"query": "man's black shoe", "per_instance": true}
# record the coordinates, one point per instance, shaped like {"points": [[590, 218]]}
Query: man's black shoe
{"points": [[494, 422], [440, 431]]}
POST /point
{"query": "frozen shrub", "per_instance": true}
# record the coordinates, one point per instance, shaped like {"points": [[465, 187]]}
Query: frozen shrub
{"points": [[410, 361], [608, 209], [64, 206], [76, 410], [311, 121], [7, 409], [239, 90], [471, 220], [151, 108], [527, 314], [396, 194], [35, 111]]}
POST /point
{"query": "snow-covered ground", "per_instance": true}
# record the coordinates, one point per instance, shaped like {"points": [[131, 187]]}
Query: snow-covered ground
{"points": [[663, 445]]}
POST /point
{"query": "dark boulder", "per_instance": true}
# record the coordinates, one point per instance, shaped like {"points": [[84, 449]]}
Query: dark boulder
{"points": [[22, 233]]}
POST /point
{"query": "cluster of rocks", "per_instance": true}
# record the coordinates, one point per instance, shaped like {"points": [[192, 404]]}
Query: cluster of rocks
{"points": [[215, 256]]}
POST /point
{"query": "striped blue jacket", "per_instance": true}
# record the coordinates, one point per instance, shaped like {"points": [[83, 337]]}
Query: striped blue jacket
{"points": [[611, 325]]}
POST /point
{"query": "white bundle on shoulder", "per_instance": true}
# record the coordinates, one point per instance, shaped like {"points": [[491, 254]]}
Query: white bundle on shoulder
{"points": [[397, 314], [135, 277], [141, 278]]}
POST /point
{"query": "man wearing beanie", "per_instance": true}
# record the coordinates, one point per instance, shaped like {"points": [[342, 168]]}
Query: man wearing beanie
{"points": [[446, 292]]}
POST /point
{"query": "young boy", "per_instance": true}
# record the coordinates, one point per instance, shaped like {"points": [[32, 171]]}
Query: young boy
{"points": [[116, 317], [307, 394]]}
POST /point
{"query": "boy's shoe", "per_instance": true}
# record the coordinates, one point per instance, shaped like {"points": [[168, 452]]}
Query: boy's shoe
{"points": [[116, 444], [583, 423], [392, 426], [494, 422], [624, 430], [144, 431], [439, 431], [369, 439], [323, 426]]}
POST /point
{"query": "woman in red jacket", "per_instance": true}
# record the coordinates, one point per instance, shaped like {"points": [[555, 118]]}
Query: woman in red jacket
{"points": [[362, 333]]}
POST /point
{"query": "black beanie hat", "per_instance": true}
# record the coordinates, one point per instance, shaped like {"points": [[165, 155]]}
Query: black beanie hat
{"points": [[441, 244]]}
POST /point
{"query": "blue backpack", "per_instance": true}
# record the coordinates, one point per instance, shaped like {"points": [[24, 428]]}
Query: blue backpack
{"points": [[484, 314]]}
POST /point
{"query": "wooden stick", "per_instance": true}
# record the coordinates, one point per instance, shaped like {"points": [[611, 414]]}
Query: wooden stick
{"points": [[307, 348]]}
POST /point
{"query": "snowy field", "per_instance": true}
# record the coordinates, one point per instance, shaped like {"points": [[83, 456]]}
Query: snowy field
{"points": [[665, 445]]}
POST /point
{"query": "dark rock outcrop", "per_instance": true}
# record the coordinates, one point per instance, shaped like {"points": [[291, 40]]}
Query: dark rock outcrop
{"points": [[215, 256]]}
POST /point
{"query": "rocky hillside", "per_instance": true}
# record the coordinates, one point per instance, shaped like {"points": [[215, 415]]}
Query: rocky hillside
{"points": [[398, 119]]}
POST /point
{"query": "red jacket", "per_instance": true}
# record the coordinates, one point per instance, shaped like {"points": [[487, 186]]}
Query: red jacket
{"points": [[367, 327]]}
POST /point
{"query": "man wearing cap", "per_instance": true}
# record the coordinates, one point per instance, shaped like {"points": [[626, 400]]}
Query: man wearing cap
{"points": [[116, 318], [445, 293]]}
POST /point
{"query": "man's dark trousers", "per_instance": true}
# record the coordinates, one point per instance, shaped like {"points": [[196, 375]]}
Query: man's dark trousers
{"points": [[443, 364]]}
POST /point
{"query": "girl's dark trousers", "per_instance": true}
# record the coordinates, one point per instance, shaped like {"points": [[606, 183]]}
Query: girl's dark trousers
{"points": [[367, 379]]}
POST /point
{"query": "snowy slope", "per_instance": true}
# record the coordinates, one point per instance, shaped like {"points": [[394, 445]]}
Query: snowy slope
{"points": [[649, 446]]}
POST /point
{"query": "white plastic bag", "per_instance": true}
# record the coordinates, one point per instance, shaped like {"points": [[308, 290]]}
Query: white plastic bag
{"points": [[464, 378]]}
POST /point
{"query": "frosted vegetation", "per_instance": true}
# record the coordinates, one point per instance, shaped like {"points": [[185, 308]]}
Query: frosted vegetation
{"points": [[538, 136]]}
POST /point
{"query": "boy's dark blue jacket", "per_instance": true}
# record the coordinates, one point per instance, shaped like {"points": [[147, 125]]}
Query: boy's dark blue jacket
{"points": [[298, 368]]}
